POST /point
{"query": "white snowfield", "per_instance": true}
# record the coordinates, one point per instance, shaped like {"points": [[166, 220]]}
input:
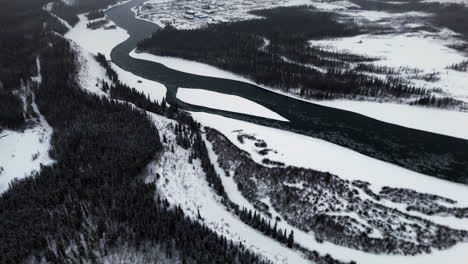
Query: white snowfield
{"points": [[91, 74], [316, 154], [22, 153], [96, 41], [440, 121], [156, 91], [225, 102]]}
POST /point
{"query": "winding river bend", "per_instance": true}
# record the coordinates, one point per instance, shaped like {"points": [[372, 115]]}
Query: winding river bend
{"points": [[432, 154]]}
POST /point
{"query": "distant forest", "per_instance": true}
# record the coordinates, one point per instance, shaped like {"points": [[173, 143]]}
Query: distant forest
{"points": [[91, 202], [274, 51]]}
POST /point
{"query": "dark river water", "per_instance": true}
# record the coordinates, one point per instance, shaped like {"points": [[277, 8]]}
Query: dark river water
{"points": [[429, 153]]}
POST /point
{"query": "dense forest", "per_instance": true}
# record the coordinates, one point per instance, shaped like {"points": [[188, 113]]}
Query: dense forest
{"points": [[274, 51], [91, 202]]}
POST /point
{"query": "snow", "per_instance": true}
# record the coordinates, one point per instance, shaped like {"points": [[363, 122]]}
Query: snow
{"points": [[22, 153], [422, 51], [156, 91], [300, 151], [91, 42], [38, 78], [445, 122], [91, 74], [188, 66], [461, 2], [184, 184], [225, 102], [68, 2], [303, 151], [96, 41], [410, 50]]}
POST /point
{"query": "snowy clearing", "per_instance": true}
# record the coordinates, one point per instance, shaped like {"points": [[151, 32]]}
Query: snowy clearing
{"points": [[184, 184], [303, 151], [225, 102], [96, 41], [22, 153], [445, 122]]}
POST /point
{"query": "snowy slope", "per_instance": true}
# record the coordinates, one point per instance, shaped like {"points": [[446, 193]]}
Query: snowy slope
{"points": [[184, 184], [91, 74], [22, 153], [225, 102]]}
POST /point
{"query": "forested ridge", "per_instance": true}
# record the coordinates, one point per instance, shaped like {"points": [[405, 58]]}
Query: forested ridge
{"points": [[274, 51], [92, 202]]}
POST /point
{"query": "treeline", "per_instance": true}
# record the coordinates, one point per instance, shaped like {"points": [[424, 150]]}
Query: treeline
{"points": [[441, 102], [95, 14], [274, 51], [258, 222]]}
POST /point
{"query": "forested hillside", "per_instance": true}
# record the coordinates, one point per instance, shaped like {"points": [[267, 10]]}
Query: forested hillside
{"points": [[91, 205]]}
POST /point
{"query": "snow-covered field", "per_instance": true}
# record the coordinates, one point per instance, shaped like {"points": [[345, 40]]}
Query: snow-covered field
{"points": [[22, 153], [445, 122], [96, 41], [225, 102]]}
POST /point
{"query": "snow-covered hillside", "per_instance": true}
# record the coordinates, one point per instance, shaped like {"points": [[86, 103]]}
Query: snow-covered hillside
{"points": [[23, 152], [183, 183]]}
